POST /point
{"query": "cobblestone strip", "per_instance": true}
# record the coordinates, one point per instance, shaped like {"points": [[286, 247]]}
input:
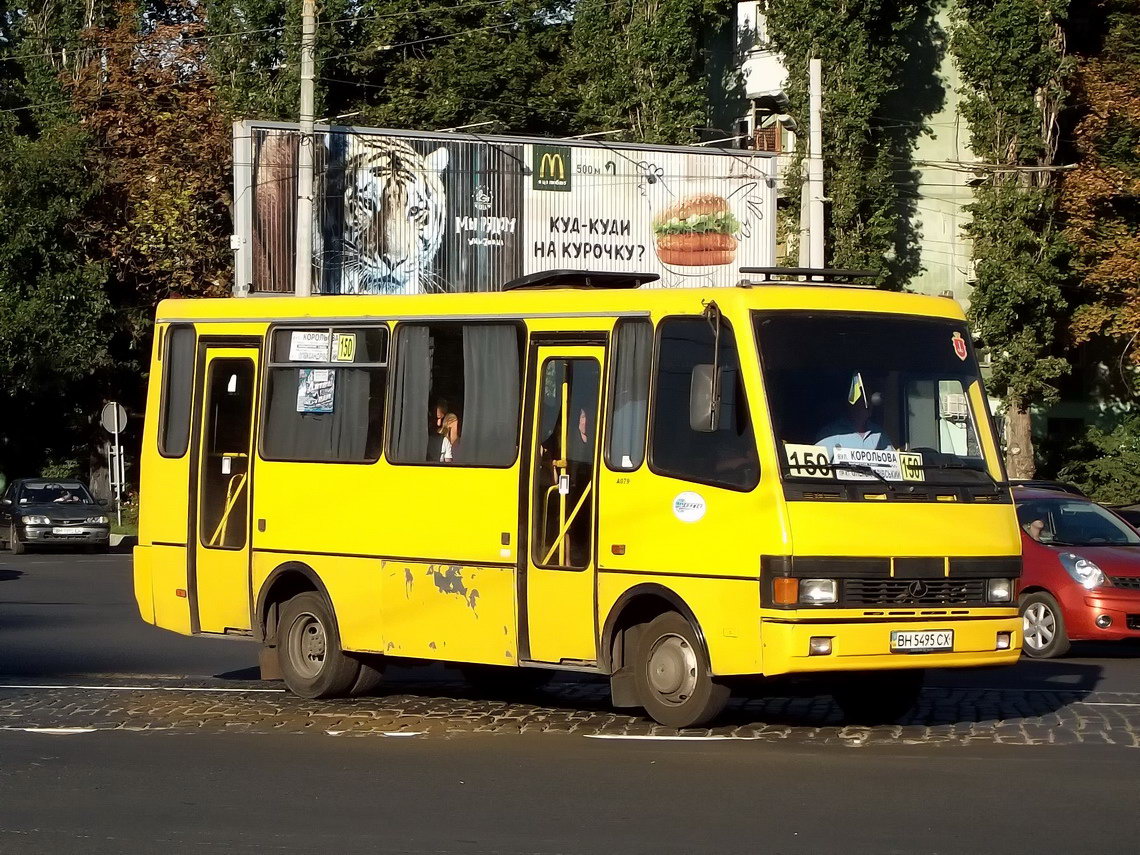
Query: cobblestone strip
{"points": [[943, 716]]}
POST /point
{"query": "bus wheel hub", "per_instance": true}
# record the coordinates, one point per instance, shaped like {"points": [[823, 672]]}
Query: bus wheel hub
{"points": [[673, 668]]}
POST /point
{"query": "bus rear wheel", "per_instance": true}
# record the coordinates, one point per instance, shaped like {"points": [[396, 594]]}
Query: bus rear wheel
{"points": [[672, 678], [309, 652]]}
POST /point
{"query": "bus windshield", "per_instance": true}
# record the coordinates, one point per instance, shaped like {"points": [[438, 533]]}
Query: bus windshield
{"points": [[862, 397]]}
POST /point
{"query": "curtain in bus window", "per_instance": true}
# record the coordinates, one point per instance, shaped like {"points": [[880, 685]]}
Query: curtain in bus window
{"points": [[633, 353], [349, 433], [410, 406], [489, 434]]}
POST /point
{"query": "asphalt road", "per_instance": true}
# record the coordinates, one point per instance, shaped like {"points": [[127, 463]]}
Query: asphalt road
{"points": [[945, 784]]}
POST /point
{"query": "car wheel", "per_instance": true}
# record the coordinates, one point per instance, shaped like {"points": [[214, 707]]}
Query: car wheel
{"points": [[309, 652], [878, 697], [671, 675], [17, 546], [1043, 627]]}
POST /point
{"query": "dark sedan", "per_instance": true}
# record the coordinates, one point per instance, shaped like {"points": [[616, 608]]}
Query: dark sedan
{"points": [[44, 512]]}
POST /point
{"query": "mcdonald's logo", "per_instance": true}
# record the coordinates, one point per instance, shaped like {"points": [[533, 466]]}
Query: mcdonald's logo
{"points": [[551, 167]]}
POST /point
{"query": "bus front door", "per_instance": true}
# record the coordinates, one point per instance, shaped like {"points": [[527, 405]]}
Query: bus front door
{"points": [[561, 579], [221, 558]]}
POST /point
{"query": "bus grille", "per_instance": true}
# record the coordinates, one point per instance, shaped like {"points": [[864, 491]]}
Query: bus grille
{"points": [[1126, 581], [914, 592]]}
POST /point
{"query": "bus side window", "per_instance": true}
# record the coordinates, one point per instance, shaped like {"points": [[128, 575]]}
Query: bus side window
{"points": [[177, 391], [324, 394], [629, 395], [724, 457], [456, 394]]}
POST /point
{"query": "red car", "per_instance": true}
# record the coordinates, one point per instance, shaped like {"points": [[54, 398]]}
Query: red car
{"points": [[1081, 575]]}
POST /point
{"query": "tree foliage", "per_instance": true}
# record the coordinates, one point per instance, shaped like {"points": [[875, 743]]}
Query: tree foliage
{"points": [[1107, 463], [640, 67], [55, 316], [147, 99], [1012, 101], [1101, 196], [863, 46]]}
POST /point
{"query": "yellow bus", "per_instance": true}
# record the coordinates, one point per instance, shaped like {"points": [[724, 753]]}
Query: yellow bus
{"points": [[669, 487]]}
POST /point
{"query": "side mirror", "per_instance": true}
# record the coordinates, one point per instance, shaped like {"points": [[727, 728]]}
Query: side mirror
{"points": [[103, 503], [5, 501], [704, 399]]}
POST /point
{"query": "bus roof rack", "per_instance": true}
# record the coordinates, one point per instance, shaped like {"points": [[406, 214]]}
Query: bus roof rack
{"points": [[565, 278], [810, 274]]}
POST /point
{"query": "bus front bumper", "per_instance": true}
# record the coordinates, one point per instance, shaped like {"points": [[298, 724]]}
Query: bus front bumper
{"points": [[861, 645]]}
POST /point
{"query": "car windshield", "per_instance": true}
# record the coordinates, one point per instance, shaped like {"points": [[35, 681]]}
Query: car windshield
{"points": [[54, 493], [859, 397], [1073, 522]]}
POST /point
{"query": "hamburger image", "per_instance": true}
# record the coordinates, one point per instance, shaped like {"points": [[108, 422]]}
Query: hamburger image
{"points": [[697, 231]]}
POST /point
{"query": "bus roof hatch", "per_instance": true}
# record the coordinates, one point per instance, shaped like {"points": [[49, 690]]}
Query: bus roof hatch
{"points": [[565, 278]]}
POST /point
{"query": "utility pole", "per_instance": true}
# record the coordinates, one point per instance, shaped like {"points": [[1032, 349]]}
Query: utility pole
{"points": [[303, 272], [815, 163]]}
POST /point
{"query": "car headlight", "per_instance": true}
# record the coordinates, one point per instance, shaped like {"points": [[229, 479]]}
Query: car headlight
{"points": [[35, 520], [97, 520], [1000, 591], [818, 591], [1083, 570]]}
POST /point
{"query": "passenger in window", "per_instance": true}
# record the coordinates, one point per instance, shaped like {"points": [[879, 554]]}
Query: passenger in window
{"points": [[444, 435], [855, 428]]}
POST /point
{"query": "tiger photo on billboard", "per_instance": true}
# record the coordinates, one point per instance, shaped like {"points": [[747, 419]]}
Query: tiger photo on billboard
{"points": [[394, 208]]}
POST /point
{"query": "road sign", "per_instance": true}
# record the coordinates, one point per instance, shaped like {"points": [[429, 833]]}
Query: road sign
{"points": [[108, 417], [114, 419]]}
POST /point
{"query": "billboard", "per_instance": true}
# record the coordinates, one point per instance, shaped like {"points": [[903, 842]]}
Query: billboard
{"points": [[397, 212]]}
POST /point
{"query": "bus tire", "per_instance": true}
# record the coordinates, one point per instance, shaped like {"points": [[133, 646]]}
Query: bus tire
{"points": [[877, 697], [309, 652], [370, 677], [671, 674]]}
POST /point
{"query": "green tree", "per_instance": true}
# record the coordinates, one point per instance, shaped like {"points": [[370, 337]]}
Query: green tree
{"points": [[1107, 463], [54, 312], [864, 47], [641, 67], [1012, 101], [438, 63]]}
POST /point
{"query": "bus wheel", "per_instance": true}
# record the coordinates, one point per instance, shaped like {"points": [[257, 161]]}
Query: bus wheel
{"points": [[370, 677], [877, 697], [672, 681], [308, 649]]}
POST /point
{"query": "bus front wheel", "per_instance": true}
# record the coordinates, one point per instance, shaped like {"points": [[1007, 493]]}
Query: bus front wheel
{"points": [[672, 677], [309, 652]]}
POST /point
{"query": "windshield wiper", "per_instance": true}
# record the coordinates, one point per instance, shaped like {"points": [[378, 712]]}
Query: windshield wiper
{"points": [[944, 466], [848, 467]]}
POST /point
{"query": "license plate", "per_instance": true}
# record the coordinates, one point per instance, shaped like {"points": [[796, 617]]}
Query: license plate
{"points": [[922, 640], [65, 531]]}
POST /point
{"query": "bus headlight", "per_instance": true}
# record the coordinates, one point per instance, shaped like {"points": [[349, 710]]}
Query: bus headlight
{"points": [[819, 591], [1000, 591], [1083, 570]]}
